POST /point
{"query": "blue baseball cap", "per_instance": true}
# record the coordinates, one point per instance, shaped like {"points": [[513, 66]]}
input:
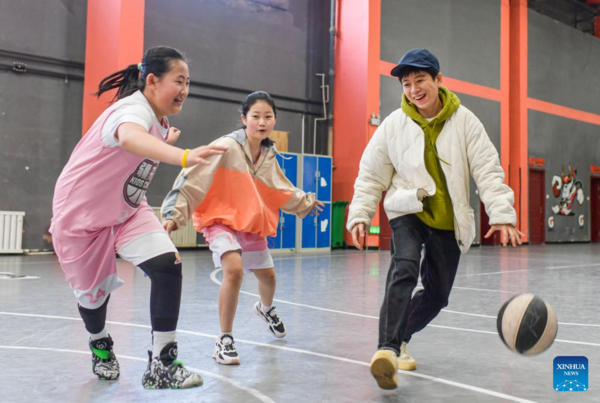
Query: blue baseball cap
{"points": [[421, 58]]}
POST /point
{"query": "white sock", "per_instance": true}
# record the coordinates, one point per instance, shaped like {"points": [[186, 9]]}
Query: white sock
{"points": [[230, 334], [160, 340], [101, 335], [265, 308]]}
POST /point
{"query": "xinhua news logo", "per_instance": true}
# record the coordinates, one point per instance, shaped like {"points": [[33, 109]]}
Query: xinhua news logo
{"points": [[571, 374]]}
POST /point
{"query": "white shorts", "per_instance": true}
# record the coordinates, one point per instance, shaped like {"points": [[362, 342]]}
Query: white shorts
{"points": [[254, 249]]}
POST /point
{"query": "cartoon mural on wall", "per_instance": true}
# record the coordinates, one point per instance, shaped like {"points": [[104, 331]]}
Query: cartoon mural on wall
{"points": [[568, 189]]}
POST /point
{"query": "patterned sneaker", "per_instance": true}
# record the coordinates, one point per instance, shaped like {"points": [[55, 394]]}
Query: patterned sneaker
{"points": [[406, 362], [167, 372], [276, 326], [384, 368], [104, 362], [225, 352]]}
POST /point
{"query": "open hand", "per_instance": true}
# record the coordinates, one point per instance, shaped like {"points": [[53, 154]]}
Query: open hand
{"points": [[358, 232], [316, 208], [508, 234], [198, 155]]}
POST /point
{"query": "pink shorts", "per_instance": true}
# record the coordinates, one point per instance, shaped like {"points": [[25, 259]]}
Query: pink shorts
{"points": [[89, 261], [254, 249]]}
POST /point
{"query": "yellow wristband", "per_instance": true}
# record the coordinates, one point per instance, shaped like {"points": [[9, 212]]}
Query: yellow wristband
{"points": [[184, 158]]}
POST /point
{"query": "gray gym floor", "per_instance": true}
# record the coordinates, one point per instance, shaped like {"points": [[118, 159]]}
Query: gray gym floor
{"points": [[330, 304]]}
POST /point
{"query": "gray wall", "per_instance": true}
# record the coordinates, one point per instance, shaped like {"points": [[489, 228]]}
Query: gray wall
{"points": [[465, 37], [563, 69], [40, 117]]}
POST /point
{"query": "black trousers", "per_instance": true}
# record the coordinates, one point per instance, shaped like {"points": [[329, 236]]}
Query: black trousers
{"points": [[403, 314]]}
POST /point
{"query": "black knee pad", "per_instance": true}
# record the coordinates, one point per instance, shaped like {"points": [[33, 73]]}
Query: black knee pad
{"points": [[165, 298], [94, 319]]}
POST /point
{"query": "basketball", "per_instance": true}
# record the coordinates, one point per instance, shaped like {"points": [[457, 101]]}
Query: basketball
{"points": [[527, 324]]}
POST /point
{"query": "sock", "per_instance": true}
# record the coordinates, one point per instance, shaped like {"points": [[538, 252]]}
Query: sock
{"points": [[160, 340], [98, 336], [230, 334], [265, 308]]}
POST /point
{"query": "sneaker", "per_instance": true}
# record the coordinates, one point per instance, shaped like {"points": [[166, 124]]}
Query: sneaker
{"points": [[225, 352], [276, 326], [104, 362], [405, 361], [167, 372], [384, 368]]}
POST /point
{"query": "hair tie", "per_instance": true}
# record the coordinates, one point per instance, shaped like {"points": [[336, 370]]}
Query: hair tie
{"points": [[139, 66]]}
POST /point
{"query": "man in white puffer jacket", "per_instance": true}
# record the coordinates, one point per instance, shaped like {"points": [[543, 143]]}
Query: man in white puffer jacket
{"points": [[423, 154]]}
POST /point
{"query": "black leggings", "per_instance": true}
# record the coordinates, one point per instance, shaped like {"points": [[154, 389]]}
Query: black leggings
{"points": [[165, 296]]}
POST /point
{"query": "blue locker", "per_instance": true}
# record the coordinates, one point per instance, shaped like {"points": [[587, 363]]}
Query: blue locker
{"points": [[324, 179], [324, 227], [309, 178], [286, 228], [309, 232], [290, 168], [288, 231]]}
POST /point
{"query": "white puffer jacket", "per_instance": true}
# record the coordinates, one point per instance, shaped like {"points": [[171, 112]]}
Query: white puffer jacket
{"points": [[394, 161]]}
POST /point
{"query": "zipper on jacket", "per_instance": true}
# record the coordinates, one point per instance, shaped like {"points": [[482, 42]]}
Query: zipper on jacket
{"points": [[255, 171], [456, 226]]}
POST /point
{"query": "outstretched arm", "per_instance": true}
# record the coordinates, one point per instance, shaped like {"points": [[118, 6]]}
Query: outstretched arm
{"points": [[135, 139]]}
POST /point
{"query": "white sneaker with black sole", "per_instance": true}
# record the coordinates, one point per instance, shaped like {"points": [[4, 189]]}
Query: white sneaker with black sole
{"points": [[273, 320], [225, 352]]}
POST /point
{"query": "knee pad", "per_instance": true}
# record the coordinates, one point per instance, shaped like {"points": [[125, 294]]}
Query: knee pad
{"points": [[94, 319], [165, 298]]}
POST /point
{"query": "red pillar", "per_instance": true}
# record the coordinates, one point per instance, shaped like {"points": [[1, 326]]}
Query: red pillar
{"points": [[356, 94], [115, 39], [519, 171], [596, 3]]}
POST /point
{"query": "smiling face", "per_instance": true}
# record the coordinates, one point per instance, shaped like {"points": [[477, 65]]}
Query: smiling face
{"points": [[259, 121], [167, 93], [422, 90]]}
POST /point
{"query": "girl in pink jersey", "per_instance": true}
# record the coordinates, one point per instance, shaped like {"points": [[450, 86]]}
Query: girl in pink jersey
{"points": [[235, 203], [100, 208]]}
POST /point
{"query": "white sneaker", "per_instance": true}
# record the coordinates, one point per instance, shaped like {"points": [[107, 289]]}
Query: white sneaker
{"points": [[225, 352], [273, 320], [405, 361]]}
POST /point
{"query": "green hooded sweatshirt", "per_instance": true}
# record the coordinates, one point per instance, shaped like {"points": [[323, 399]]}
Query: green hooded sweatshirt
{"points": [[437, 209]]}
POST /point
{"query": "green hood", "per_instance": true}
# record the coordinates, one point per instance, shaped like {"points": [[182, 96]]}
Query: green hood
{"points": [[450, 104]]}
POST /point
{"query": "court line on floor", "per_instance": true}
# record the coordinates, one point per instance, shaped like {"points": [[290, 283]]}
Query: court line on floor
{"points": [[213, 277], [290, 349], [529, 270], [233, 382]]}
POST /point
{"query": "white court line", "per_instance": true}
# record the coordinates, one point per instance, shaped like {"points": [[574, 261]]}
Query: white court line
{"points": [[233, 382], [290, 349], [529, 270], [213, 277]]}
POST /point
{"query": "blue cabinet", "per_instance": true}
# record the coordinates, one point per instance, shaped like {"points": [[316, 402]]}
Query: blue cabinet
{"points": [[316, 178], [286, 229]]}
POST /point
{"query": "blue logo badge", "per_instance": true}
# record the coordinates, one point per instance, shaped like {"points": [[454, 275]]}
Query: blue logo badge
{"points": [[571, 374]]}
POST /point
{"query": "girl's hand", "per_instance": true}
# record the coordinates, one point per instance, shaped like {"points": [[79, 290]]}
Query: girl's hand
{"points": [[316, 208], [169, 226], [198, 155], [173, 135]]}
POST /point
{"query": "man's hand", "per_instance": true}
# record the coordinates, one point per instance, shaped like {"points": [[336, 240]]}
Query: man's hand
{"points": [[358, 231], [509, 234], [421, 194], [169, 226], [173, 135]]}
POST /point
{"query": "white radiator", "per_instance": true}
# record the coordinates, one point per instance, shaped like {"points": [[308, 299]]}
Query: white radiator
{"points": [[11, 231], [183, 238]]}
